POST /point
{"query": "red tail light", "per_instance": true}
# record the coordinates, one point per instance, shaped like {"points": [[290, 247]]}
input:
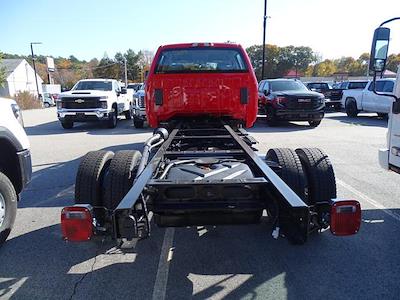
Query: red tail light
{"points": [[77, 223], [345, 217]]}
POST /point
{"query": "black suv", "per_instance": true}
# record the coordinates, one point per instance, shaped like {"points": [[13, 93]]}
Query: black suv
{"points": [[289, 100], [333, 96]]}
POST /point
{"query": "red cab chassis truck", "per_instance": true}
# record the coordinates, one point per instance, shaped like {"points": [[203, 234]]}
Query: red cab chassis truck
{"points": [[200, 166]]}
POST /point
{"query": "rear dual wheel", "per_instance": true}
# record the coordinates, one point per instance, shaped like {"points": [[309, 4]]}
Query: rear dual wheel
{"points": [[103, 179], [309, 173]]}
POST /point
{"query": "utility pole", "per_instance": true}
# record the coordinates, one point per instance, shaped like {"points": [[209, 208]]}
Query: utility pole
{"points": [[126, 73], [265, 24], [34, 67]]}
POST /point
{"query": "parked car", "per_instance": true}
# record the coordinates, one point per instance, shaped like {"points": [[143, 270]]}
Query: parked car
{"points": [[94, 100], [15, 163], [139, 108], [135, 86], [289, 100], [333, 96], [357, 100], [353, 84], [48, 100]]}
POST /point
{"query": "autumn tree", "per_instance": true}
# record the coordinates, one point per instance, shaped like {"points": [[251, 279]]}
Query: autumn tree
{"points": [[393, 62], [279, 60], [2, 72]]}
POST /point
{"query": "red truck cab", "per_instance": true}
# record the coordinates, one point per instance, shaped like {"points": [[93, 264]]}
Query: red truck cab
{"points": [[201, 80]]}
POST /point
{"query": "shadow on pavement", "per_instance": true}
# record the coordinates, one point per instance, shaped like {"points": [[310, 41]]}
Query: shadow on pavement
{"points": [[361, 120], [53, 185], [39, 265], [231, 262], [261, 126], [93, 128], [247, 263]]}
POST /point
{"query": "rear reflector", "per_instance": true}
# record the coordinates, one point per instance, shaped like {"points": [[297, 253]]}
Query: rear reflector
{"points": [[345, 217], [77, 223]]}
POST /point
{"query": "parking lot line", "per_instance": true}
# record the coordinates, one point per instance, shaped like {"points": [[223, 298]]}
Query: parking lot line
{"points": [[369, 200], [160, 286]]}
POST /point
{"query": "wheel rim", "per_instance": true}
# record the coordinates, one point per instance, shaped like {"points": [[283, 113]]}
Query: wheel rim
{"points": [[2, 209]]}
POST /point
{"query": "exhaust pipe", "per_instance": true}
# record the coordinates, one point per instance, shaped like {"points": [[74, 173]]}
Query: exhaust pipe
{"points": [[160, 136]]}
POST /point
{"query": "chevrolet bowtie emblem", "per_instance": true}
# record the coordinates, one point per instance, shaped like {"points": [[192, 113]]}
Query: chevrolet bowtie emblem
{"points": [[79, 100]]}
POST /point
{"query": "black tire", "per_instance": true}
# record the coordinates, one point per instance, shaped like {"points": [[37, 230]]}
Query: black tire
{"points": [[270, 115], [112, 118], [128, 114], [120, 176], [8, 207], [138, 123], [46, 105], [67, 124], [320, 176], [314, 123], [89, 179], [351, 108], [291, 171]]}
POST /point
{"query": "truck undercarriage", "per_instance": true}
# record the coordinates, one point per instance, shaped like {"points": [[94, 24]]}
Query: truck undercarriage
{"points": [[206, 173]]}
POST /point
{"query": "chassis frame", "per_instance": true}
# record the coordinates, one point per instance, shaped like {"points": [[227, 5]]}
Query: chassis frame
{"points": [[292, 215]]}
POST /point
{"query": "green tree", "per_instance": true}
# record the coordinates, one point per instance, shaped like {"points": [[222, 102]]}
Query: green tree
{"points": [[393, 62], [271, 60], [2, 72], [279, 60], [107, 68], [132, 63], [325, 68]]}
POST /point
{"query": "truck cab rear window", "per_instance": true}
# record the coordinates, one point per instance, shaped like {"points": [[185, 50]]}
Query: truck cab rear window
{"points": [[200, 60]]}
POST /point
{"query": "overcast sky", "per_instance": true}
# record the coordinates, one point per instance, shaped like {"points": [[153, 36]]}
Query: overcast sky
{"points": [[88, 29]]}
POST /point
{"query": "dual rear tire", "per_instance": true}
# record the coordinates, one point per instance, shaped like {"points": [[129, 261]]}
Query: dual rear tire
{"points": [[307, 171], [104, 178]]}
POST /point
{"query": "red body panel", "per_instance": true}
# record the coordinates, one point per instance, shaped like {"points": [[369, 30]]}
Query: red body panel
{"points": [[201, 94]]}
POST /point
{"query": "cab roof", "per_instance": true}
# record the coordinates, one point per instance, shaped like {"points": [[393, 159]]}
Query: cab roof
{"points": [[195, 44]]}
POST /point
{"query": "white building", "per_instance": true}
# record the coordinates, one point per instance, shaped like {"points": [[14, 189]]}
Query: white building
{"points": [[20, 77]]}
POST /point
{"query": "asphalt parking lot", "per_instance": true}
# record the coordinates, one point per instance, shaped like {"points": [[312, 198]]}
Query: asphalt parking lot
{"points": [[229, 262]]}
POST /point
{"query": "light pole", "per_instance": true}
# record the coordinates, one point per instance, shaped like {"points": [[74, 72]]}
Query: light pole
{"points": [[34, 66], [126, 73], [265, 24]]}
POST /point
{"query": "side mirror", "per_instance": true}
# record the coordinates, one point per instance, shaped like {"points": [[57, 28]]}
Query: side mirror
{"points": [[396, 107], [123, 90], [118, 93], [267, 92], [379, 49]]}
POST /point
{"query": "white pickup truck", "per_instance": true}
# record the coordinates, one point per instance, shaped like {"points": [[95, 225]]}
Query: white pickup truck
{"points": [[355, 101], [389, 158], [15, 163], [94, 100]]}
